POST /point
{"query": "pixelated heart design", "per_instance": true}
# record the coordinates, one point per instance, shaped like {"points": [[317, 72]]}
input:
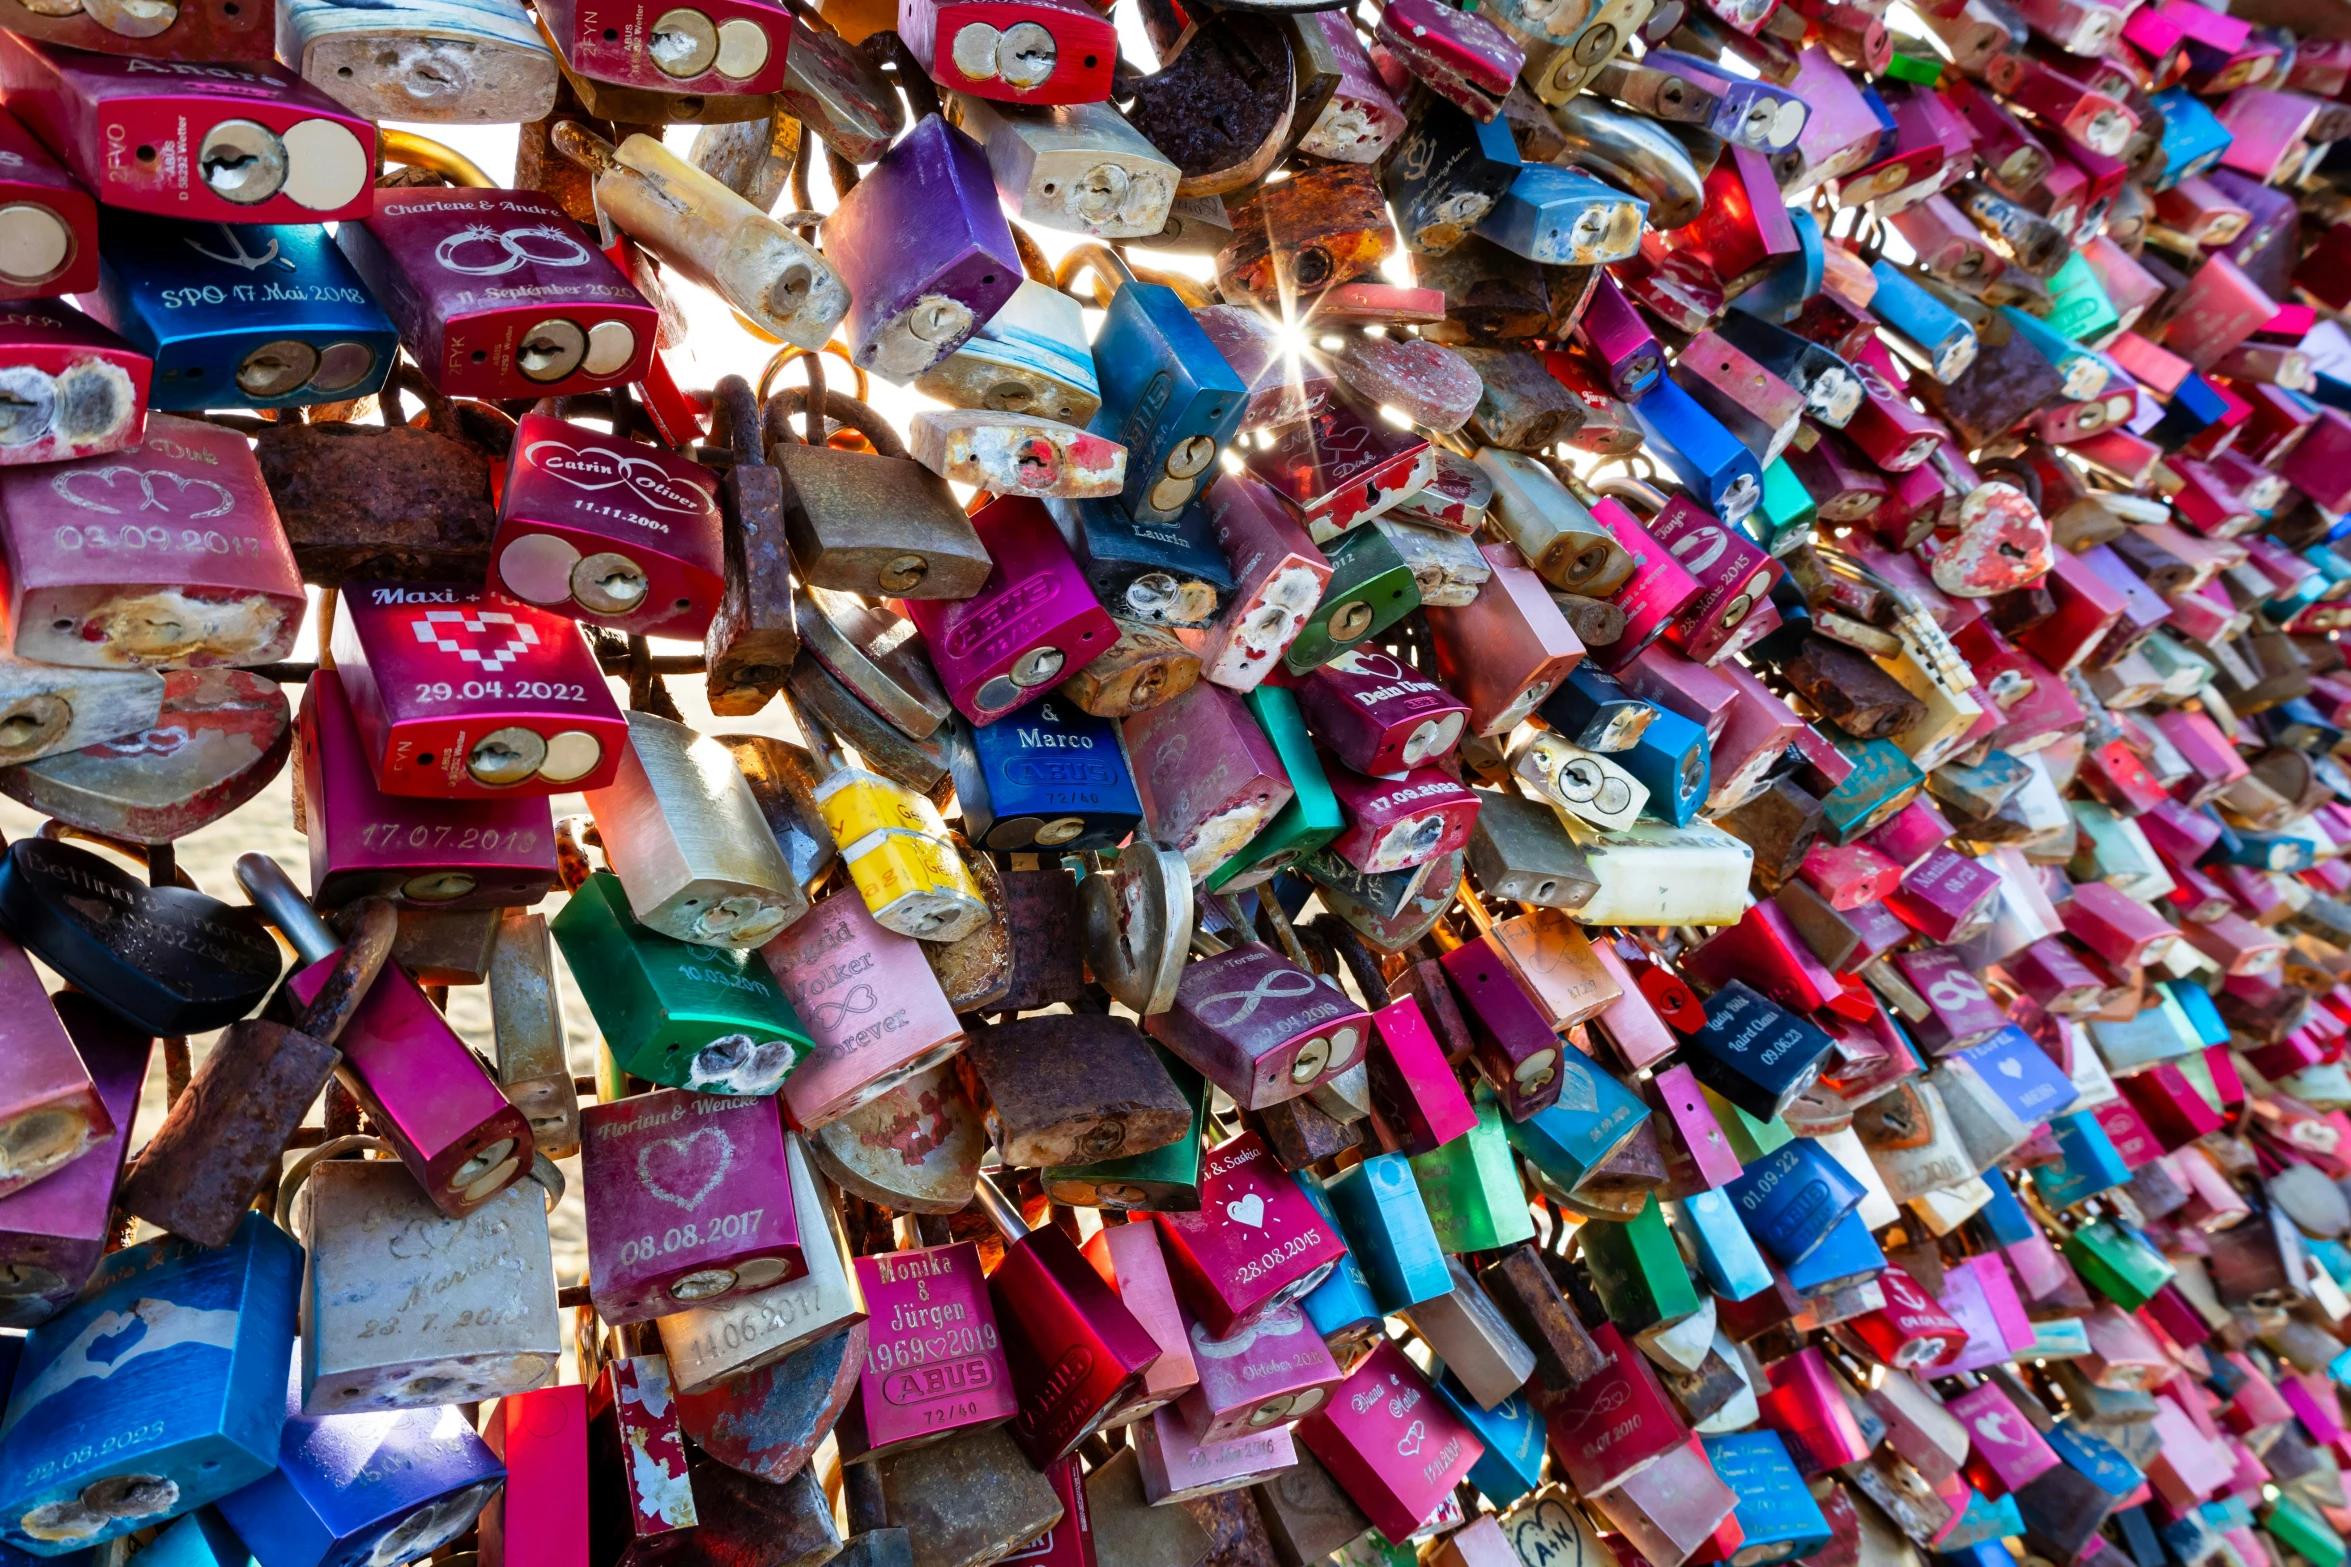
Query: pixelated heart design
{"points": [[1249, 1210], [673, 1157], [502, 639]]}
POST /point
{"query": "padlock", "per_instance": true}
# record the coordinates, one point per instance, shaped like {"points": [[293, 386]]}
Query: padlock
{"points": [[527, 1018], [1032, 621], [541, 1514], [876, 524], [425, 1479], [1168, 395], [713, 1345], [1076, 1352], [712, 1019], [1080, 166], [57, 1232], [1131, 1261], [734, 47], [74, 388], [1391, 1443], [485, 64], [563, 729], [1448, 171], [303, 331], [1160, 573], [1472, 1191], [1400, 821], [916, 1386], [835, 968], [974, 1498], [1260, 1027], [268, 147], [1278, 577], [1036, 52], [505, 1344], [605, 531], [732, 1236], [1377, 1208], [1029, 357], [561, 319], [1206, 807], [238, 1303], [1266, 1375], [495, 852], [1128, 1103], [227, 592]]}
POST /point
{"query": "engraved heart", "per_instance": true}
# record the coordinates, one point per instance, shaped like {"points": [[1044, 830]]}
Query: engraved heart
{"points": [[676, 1159], [1576, 1089], [490, 639], [2012, 1068], [421, 1238], [1409, 1443], [1249, 1210], [1994, 1426]]}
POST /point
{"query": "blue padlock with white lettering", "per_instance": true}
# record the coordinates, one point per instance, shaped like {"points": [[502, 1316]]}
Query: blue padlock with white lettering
{"points": [[1674, 762], [1512, 1431], [1386, 1226], [364, 1490], [1708, 1221], [1592, 1118], [1850, 1255], [1711, 463], [1776, 1515], [1168, 396], [2089, 1164], [161, 1389], [1791, 1198], [241, 316], [1051, 776], [1161, 573], [1563, 217], [2095, 1457], [2193, 137]]}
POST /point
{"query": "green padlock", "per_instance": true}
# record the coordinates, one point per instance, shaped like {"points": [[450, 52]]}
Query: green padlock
{"points": [[1164, 1180], [711, 1019], [1371, 588], [1786, 515], [1638, 1272], [2118, 1262], [1310, 820], [2301, 1530], [1749, 1138], [1471, 1186]]}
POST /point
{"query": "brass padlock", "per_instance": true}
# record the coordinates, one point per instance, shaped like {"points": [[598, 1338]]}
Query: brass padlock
{"points": [[879, 523], [526, 1016]]}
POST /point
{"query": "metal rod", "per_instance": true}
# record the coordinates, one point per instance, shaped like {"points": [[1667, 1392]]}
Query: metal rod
{"points": [[282, 904]]}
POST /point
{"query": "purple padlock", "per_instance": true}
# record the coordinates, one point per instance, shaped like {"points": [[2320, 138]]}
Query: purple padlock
{"points": [[1378, 715], [1396, 823]]}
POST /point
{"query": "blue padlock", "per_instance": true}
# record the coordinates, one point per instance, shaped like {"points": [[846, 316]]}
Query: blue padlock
{"points": [[1792, 1198], [2095, 1457], [2193, 137], [1161, 573], [239, 316], [1168, 396], [1051, 776], [1776, 1514], [161, 1389], [1709, 1222], [1513, 1433], [1446, 174], [2089, 1163], [1592, 1118], [1564, 217], [202, 1538], [1783, 290], [364, 1490], [1931, 332], [1849, 1255], [1381, 1216], [1711, 463], [2203, 1012], [1341, 1306], [1672, 758], [2004, 1216]]}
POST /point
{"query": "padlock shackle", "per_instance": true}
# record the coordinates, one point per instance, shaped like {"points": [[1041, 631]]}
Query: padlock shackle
{"points": [[281, 903], [822, 744], [736, 409], [584, 147], [421, 152], [1001, 1210]]}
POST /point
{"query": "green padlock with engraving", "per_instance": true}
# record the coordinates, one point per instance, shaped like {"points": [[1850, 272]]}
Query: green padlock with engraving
{"points": [[1471, 1185]]}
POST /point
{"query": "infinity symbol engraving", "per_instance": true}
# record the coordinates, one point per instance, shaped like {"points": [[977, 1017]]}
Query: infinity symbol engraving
{"points": [[858, 1002], [1259, 994]]}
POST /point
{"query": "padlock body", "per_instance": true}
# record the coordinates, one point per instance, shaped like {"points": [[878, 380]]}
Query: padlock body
{"points": [[1168, 396], [1255, 1244], [425, 1091], [82, 389], [209, 1399], [93, 111], [608, 532], [53, 1233], [452, 854], [456, 690], [874, 1011], [168, 556], [50, 222], [691, 1202], [237, 316], [934, 1364], [710, 1019], [1259, 1027], [1048, 777], [497, 294], [741, 46], [1033, 622]]}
